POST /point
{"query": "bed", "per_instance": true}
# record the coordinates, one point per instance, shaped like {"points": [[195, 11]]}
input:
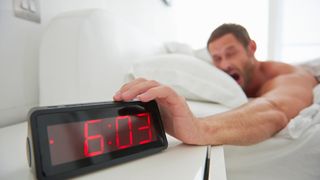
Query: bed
{"points": [[85, 56]]}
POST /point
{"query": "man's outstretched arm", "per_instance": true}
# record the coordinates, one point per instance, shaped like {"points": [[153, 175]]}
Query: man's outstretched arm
{"points": [[281, 99]]}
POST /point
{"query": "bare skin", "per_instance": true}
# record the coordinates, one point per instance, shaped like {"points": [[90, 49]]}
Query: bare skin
{"points": [[279, 92]]}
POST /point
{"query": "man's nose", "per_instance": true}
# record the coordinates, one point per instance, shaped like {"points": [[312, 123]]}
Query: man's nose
{"points": [[225, 65]]}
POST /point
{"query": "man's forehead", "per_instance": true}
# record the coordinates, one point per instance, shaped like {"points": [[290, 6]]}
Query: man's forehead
{"points": [[226, 42], [215, 50]]}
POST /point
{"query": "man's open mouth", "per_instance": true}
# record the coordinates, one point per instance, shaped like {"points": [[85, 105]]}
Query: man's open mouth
{"points": [[235, 76]]}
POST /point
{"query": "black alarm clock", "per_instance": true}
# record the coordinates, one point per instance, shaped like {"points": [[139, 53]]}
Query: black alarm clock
{"points": [[69, 140]]}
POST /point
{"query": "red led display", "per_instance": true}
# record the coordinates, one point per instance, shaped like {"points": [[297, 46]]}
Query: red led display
{"points": [[77, 140]]}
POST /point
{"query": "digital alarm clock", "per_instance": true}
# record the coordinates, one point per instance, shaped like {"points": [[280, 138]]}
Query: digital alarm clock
{"points": [[69, 140]]}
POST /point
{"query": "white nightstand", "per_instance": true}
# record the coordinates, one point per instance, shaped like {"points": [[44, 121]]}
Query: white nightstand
{"points": [[179, 161]]}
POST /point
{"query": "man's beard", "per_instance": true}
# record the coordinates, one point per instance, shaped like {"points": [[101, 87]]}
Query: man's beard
{"points": [[247, 74]]}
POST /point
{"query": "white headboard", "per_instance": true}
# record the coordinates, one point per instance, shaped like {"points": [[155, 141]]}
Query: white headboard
{"points": [[84, 56]]}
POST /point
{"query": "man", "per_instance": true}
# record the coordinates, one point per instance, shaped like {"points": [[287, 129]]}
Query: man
{"points": [[279, 92]]}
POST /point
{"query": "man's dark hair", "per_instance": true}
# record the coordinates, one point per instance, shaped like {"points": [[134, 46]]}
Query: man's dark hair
{"points": [[239, 32]]}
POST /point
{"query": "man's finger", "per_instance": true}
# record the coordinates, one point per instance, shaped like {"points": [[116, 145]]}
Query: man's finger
{"points": [[125, 87], [158, 92], [128, 85], [138, 89]]}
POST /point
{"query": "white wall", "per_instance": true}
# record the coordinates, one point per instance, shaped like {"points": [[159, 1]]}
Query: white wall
{"points": [[294, 30], [300, 30], [196, 19], [19, 41]]}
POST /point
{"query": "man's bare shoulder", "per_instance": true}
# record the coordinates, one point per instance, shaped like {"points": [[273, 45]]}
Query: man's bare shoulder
{"points": [[284, 76], [290, 88], [273, 68], [276, 69]]}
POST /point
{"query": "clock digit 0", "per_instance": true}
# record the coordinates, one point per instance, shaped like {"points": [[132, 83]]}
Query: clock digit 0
{"points": [[118, 143]]}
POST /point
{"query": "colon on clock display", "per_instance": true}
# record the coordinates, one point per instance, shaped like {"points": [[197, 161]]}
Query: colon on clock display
{"points": [[93, 137]]}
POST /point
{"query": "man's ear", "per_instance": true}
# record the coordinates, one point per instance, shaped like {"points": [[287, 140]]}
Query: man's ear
{"points": [[252, 47]]}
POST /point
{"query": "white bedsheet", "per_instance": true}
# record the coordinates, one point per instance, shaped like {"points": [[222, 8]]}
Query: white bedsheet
{"points": [[294, 153], [306, 119], [277, 158]]}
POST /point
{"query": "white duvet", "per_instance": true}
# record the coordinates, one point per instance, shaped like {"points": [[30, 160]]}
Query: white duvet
{"points": [[293, 154]]}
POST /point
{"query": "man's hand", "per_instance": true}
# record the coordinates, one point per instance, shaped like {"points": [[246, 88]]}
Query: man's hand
{"points": [[177, 118]]}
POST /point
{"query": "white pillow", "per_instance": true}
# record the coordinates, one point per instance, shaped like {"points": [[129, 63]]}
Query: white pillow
{"points": [[203, 54], [191, 78], [178, 48], [182, 48]]}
